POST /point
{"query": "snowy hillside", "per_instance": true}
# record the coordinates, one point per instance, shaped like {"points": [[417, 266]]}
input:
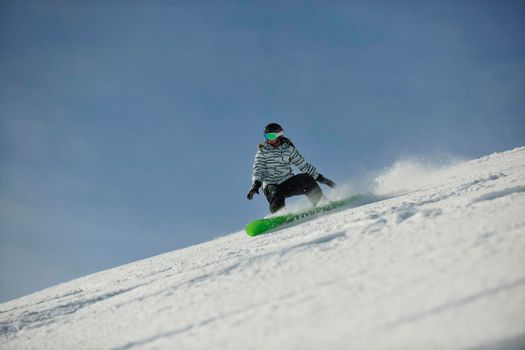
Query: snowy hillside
{"points": [[441, 266]]}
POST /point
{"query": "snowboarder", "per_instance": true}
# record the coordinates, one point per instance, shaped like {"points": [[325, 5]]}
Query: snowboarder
{"points": [[272, 169]]}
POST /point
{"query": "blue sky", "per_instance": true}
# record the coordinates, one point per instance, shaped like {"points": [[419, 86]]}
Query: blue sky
{"points": [[128, 128]]}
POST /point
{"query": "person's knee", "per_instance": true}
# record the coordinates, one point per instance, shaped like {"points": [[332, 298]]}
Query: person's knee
{"points": [[271, 191]]}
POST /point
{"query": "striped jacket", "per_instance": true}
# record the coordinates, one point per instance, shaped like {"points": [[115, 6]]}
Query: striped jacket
{"points": [[273, 165]]}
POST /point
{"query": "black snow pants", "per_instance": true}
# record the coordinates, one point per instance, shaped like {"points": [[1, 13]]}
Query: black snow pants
{"points": [[294, 186]]}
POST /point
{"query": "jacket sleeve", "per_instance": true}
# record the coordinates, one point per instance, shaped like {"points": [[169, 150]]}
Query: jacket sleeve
{"points": [[297, 159], [259, 167]]}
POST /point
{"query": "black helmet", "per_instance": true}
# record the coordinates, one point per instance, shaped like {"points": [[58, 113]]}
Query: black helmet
{"points": [[272, 127]]}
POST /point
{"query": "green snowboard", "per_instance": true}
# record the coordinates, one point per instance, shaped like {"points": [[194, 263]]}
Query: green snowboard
{"points": [[261, 226]]}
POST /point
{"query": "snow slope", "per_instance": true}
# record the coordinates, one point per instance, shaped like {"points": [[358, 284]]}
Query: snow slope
{"points": [[439, 267]]}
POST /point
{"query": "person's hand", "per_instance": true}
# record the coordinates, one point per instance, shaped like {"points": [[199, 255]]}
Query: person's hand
{"points": [[255, 189], [324, 180]]}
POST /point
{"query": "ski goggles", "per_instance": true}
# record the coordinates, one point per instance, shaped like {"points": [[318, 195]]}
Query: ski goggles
{"points": [[273, 135]]}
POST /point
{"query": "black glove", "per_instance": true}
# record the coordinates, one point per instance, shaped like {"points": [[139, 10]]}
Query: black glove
{"points": [[324, 180], [255, 189]]}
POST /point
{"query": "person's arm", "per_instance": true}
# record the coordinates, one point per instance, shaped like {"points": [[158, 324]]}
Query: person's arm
{"points": [[259, 169], [298, 160], [305, 167]]}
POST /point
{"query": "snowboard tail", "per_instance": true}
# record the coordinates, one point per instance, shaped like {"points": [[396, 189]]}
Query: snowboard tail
{"points": [[261, 226]]}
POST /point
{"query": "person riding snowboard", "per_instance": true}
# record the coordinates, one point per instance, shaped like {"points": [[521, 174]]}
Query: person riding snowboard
{"points": [[272, 169]]}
